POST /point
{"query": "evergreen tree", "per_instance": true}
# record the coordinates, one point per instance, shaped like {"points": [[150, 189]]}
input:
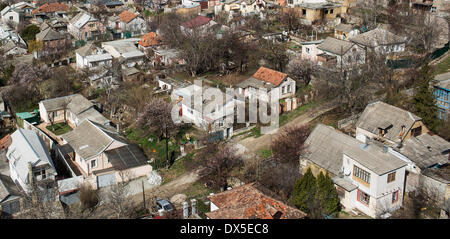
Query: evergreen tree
{"points": [[331, 205], [424, 101], [304, 192]]}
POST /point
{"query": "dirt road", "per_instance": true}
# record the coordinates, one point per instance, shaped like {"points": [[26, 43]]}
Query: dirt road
{"points": [[255, 144]]}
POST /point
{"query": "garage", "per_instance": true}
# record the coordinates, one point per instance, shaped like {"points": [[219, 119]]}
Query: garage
{"points": [[106, 180]]}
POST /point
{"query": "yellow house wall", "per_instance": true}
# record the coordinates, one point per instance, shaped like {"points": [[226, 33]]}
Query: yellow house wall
{"points": [[415, 125]]}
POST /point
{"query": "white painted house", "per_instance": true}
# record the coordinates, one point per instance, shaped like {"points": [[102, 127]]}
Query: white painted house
{"points": [[367, 177], [337, 51], [209, 115], [29, 160], [265, 78], [90, 56], [310, 51], [126, 51]]}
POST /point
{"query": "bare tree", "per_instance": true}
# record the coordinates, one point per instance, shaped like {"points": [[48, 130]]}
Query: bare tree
{"points": [[289, 143], [218, 161], [302, 70], [156, 115], [117, 196]]}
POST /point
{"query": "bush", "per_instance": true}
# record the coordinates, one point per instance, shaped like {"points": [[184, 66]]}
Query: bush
{"points": [[88, 196]]}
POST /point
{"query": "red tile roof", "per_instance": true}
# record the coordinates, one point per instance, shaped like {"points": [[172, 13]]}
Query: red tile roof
{"points": [[5, 142], [247, 202], [149, 39], [281, 3], [51, 7], [196, 22], [268, 75], [126, 16]]}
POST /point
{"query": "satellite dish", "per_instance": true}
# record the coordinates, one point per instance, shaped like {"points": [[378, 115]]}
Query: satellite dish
{"points": [[347, 172]]}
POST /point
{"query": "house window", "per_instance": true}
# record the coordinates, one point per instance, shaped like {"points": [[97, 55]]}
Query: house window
{"points": [[361, 174], [93, 163], [304, 11], [395, 196], [326, 11], [307, 50], [331, 11], [416, 131], [283, 89], [363, 197], [391, 177], [40, 174], [289, 88], [11, 18]]}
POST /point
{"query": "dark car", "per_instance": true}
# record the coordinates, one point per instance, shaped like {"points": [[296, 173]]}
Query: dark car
{"points": [[163, 204]]}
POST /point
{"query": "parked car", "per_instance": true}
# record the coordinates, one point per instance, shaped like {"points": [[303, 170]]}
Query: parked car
{"points": [[164, 204]]}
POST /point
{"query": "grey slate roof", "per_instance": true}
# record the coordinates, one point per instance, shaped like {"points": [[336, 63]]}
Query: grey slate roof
{"points": [[49, 35], [326, 146], [443, 80], [344, 27], [129, 156], [334, 46], [90, 139], [86, 49], [380, 114], [81, 19], [426, 150], [319, 5], [79, 105], [26, 147], [377, 37], [344, 183], [8, 188]]}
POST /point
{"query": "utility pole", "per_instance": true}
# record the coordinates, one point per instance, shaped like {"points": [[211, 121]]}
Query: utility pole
{"points": [[143, 194]]}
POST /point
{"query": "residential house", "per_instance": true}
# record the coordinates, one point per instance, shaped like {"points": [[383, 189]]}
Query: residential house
{"points": [[125, 51], [211, 118], [248, 202], [388, 124], [310, 51], [199, 23], [167, 57], [51, 41], [29, 161], [148, 43], [345, 31], [103, 156], [442, 94], [14, 48], [16, 13], [49, 10], [380, 41], [344, 53], [90, 56], [111, 4], [312, 11], [169, 84], [368, 178], [185, 10], [9, 14], [241, 7], [128, 24], [408, 138], [435, 6], [10, 197], [268, 79], [85, 27], [78, 108], [12, 43]]}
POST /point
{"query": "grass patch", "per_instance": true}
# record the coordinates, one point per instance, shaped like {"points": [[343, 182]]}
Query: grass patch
{"points": [[59, 128], [288, 116], [149, 143], [443, 67], [266, 153]]}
